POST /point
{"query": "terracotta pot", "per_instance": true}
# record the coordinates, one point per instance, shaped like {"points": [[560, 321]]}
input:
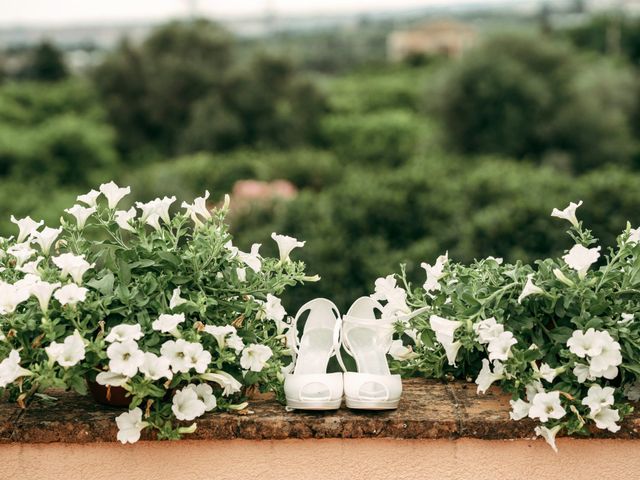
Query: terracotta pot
{"points": [[112, 396]]}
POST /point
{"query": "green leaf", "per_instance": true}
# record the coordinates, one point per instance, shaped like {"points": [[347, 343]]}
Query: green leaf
{"points": [[104, 285]]}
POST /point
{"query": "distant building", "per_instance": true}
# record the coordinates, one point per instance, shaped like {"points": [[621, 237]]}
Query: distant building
{"points": [[447, 38]]}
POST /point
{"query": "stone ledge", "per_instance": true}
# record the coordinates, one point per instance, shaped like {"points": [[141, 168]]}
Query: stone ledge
{"points": [[428, 410]]}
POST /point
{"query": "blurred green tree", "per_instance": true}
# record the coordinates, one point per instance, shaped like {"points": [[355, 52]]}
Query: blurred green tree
{"points": [[524, 96], [184, 90], [45, 63]]}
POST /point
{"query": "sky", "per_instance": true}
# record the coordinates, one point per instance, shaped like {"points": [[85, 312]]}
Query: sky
{"points": [[64, 12]]}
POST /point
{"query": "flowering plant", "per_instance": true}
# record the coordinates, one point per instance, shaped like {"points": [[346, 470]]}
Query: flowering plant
{"points": [[163, 306], [562, 335]]}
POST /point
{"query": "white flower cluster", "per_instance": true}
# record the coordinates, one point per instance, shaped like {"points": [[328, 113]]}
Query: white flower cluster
{"points": [[601, 352]]}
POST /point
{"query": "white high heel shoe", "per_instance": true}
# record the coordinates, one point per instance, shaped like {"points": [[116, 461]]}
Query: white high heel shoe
{"points": [[309, 386], [368, 339]]}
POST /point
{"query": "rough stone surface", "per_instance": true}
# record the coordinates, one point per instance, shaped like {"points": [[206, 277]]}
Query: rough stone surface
{"points": [[428, 410]]}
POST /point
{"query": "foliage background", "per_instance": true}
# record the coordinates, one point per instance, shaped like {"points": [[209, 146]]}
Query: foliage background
{"points": [[391, 162]]}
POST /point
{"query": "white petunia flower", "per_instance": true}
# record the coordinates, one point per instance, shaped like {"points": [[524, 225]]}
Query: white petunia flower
{"points": [[90, 198], [123, 219], [582, 373], [220, 333], [124, 332], [12, 295], [10, 369], [626, 318], [235, 342], [401, 352], [547, 405], [383, 286], [549, 434], [74, 265], [81, 214], [486, 377], [70, 294], [22, 252], [130, 425], [198, 209], [42, 291], [69, 352], [273, 308], [125, 357], [46, 238], [233, 251], [31, 267], [598, 398], [187, 405], [529, 289], [176, 300], [581, 258], [26, 226], [167, 323], [606, 419], [183, 356], [113, 193], [111, 379], [285, 245], [155, 368], [255, 356], [547, 373], [487, 330], [396, 303], [435, 272], [445, 331], [205, 395], [568, 213], [585, 344], [252, 259], [500, 347], [228, 383], [158, 208], [519, 409], [634, 235]]}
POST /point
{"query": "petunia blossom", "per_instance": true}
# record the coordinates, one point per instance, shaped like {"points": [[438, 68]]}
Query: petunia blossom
{"points": [[445, 330], [569, 213], [580, 258], [26, 227], [81, 214], [167, 323], [69, 352], [130, 425], [46, 237], [545, 406], [529, 289], [125, 357], [124, 332], [124, 217], [10, 369], [186, 405], [113, 193], [255, 356], [285, 245], [70, 294]]}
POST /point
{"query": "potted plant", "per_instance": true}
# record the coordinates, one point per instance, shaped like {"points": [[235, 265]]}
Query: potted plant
{"points": [[562, 336], [156, 312]]}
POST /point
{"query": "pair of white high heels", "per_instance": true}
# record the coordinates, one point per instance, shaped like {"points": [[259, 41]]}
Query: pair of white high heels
{"points": [[366, 336]]}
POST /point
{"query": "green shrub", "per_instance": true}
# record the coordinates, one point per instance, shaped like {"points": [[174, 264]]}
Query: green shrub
{"points": [[528, 97], [64, 150], [387, 137]]}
